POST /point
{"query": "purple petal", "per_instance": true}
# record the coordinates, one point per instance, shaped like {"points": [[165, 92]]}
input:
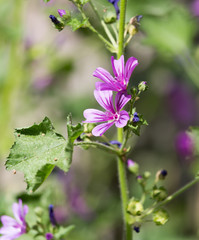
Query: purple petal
{"points": [[101, 129], [121, 100], [8, 221], [118, 66], [19, 211], [104, 75], [131, 63], [105, 99], [123, 119], [94, 115], [101, 86]]}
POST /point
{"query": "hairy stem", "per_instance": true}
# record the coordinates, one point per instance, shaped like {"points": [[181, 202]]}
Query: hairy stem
{"points": [[99, 145], [172, 196], [121, 163]]}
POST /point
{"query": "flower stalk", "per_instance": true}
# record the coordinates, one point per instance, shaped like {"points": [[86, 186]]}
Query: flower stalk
{"points": [[121, 164]]}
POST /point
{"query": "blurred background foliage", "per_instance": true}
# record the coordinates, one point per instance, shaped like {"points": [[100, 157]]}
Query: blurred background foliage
{"points": [[46, 72]]}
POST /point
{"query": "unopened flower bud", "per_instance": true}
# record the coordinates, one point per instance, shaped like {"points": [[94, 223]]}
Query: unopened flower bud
{"points": [[160, 217], [88, 127], [110, 17], [49, 236], [134, 24], [146, 175], [142, 86], [38, 211], [52, 215], [135, 207], [61, 12], [140, 179], [161, 175], [54, 19], [136, 229], [115, 142], [136, 117], [57, 24], [132, 166], [159, 194]]}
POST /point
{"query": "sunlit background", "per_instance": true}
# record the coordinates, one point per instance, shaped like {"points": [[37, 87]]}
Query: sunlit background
{"points": [[44, 72]]}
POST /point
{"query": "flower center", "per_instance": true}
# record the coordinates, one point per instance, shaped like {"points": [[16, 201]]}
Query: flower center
{"points": [[116, 116]]}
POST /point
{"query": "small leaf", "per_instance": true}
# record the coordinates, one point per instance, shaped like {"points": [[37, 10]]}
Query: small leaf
{"points": [[36, 151], [75, 23], [63, 231]]}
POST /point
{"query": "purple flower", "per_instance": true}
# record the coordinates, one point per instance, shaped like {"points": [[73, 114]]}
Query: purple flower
{"points": [[122, 75], [49, 236], [14, 228], [115, 4], [111, 116], [195, 7], [184, 145], [61, 12]]}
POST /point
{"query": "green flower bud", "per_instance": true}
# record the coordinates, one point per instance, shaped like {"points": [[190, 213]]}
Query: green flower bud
{"points": [[146, 175], [38, 211], [88, 127], [159, 194], [142, 86], [135, 207], [132, 166], [110, 17], [160, 217]]}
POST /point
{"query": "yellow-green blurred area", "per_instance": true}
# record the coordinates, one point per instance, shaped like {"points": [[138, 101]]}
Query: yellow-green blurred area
{"points": [[44, 72]]}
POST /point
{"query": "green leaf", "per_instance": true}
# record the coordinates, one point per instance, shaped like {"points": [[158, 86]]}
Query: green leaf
{"points": [[36, 151], [63, 231], [75, 23]]}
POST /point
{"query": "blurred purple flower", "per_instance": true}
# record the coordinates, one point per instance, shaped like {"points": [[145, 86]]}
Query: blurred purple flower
{"points": [[52, 215], [49, 236], [182, 104], [43, 83], [184, 145], [61, 12], [111, 116], [115, 4], [14, 228], [122, 75], [195, 8]]}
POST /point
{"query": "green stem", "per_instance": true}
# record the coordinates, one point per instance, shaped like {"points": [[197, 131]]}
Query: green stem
{"points": [[106, 29], [121, 164], [171, 197], [121, 28], [90, 26], [99, 145]]}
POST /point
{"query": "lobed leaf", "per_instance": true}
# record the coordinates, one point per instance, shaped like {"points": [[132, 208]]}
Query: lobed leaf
{"points": [[37, 150]]}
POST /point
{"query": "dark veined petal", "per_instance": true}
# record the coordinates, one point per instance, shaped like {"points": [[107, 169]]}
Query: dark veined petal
{"points": [[101, 129], [104, 75], [94, 115], [123, 119], [105, 99], [121, 100], [118, 66], [131, 63], [101, 86]]}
